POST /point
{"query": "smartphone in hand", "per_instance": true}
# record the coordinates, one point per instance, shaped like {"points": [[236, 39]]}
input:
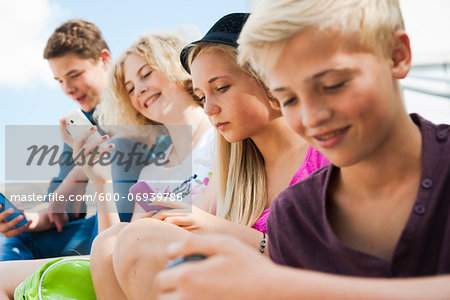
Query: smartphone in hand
{"points": [[6, 204], [180, 260], [143, 194], [77, 125]]}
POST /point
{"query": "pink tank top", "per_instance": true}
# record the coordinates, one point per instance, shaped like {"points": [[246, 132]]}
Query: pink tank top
{"points": [[314, 160]]}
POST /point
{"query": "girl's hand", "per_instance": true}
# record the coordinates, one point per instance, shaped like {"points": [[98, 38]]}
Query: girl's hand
{"points": [[193, 219], [92, 155]]}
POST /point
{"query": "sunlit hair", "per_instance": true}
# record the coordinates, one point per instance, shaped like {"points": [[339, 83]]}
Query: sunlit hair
{"points": [[79, 37], [161, 51], [368, 25], [242, 194]]}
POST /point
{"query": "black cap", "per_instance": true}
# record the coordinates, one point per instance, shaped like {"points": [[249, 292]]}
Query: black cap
{"points": [[225, 31]]}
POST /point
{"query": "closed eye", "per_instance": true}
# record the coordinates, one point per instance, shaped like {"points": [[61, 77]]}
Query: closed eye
{"points": [[289, 101], [335, 86], [224, 88], [147, 74], [130, 90]]}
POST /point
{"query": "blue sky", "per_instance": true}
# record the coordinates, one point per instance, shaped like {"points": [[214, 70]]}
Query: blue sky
{"points": [[29, 95]]}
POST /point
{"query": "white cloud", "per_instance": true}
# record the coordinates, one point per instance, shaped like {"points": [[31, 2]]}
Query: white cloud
{"points": [[25, 26]]}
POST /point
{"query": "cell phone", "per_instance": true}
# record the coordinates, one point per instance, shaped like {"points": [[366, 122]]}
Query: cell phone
{"points": [[77, 125], [6, 204], [141, 192], [180, 260]]}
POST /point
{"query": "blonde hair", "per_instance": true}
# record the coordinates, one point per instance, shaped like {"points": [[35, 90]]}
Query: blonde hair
{"points": [[242, 193], [370, 24], [161, 51]]}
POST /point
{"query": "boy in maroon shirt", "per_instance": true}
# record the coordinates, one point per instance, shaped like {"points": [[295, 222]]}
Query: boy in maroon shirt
{"points": [[381, 210]]}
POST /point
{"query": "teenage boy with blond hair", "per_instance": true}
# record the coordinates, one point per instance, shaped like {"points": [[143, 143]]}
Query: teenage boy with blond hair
{"points": [[381, 210]]}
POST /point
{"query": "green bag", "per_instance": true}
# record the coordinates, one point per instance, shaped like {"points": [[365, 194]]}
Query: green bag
{"points": [[59, 279]]}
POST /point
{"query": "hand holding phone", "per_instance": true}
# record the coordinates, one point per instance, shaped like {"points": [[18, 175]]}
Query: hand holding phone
{"points": [[78, 125], [87, 144], [183, 259], [142, 194], [5, 205]]}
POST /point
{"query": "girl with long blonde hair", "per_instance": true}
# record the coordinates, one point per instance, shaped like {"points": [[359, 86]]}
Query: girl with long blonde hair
{"points": [[257, 156]]}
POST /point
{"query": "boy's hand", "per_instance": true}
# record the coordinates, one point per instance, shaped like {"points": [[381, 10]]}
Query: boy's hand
{"points": [[8, 229], [231, 271], [55, 214]]}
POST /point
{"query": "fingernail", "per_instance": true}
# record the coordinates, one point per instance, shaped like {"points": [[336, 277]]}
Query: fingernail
{"points": [[110, 146], [92, 128], [105, 137]]}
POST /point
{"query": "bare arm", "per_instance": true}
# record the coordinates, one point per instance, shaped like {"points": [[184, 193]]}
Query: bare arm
{"points": [[199, 221], [208, 199], [99, 174], [106, 206], [232, 264], [138, 213], [74, 184], [202, 219], [313, 285]]}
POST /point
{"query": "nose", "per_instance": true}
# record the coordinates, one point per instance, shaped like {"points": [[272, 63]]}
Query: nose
{"points": [[69, 89], [315, 112], [211, 108], [140, 89]]}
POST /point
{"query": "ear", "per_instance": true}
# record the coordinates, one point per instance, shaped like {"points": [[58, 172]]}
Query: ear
{"points": [[400, 54], [105, 57], [273, 102]]}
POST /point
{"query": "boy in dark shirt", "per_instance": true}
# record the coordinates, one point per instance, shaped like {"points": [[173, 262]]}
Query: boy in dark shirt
{"points": [[381, 210]]}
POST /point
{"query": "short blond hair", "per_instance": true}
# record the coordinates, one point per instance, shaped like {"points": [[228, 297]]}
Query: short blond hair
{"points": [[370, 24], [161, 51]]}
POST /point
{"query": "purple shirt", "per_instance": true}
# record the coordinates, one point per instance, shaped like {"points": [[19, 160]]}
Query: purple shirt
{"points": [[301, 236], [314, 160]]}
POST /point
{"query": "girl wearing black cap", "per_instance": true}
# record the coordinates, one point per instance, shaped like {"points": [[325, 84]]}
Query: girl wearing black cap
{"points": [[258, 155]]}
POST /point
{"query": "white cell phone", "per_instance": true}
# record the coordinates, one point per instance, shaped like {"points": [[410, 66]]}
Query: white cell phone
{"points": [[77, 125]]}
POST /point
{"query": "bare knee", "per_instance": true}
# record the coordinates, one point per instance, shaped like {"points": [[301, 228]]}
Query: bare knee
{"points": [[144, 240], [140, 251], [102, 249]]}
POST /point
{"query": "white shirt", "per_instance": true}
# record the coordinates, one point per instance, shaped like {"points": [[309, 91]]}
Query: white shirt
{"points": [[189, 177]]}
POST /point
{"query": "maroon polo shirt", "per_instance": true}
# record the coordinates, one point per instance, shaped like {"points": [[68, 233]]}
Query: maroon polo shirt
{"points": [[301, 236]]}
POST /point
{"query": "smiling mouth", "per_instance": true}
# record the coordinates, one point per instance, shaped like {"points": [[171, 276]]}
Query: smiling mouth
{"points": [[331, 135], [151, 99], [82, 98]]}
